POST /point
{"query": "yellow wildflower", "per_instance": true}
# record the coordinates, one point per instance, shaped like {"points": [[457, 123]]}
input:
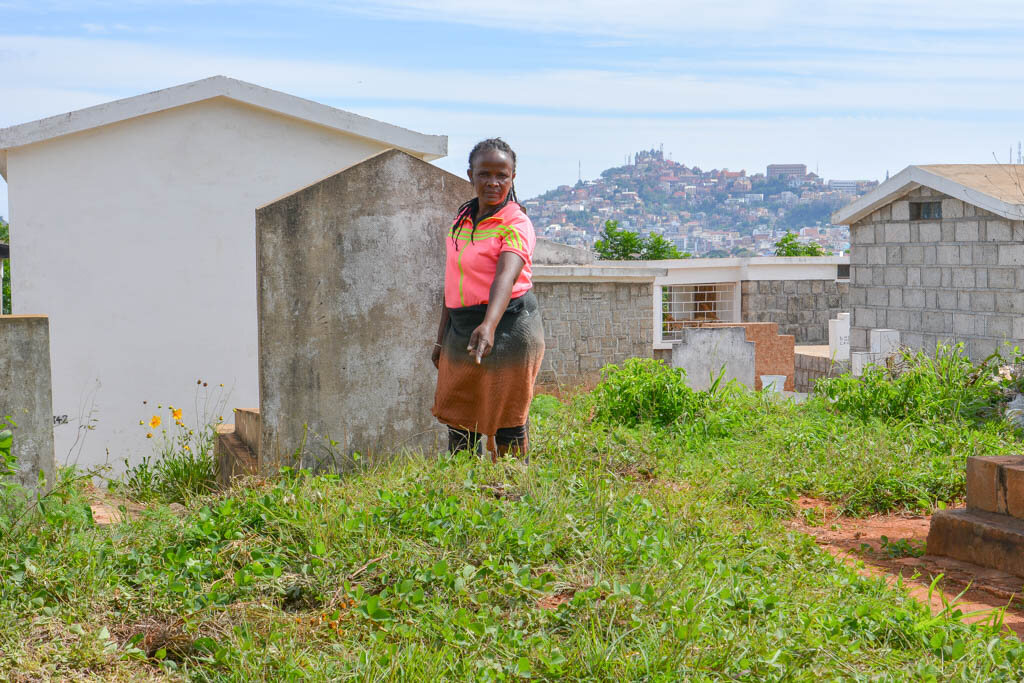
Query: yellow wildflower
{"points": [[176, 413], [155, 422]]}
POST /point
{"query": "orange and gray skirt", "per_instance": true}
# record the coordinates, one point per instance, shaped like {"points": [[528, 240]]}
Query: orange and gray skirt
{"points": [[496, 393]]}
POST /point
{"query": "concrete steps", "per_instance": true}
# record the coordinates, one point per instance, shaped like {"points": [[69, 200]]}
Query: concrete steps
{"points": [[236, 448], [982, 538], [990, 532]]}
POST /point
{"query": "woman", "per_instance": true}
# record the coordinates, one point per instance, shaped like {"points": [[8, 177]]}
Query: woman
{"points": [[490, 341]]}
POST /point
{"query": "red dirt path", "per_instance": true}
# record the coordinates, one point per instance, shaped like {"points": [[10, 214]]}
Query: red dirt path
{"points": [[846, 538]]}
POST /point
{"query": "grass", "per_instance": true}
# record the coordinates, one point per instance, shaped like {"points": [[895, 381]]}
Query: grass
{"points": [[626, 549]]}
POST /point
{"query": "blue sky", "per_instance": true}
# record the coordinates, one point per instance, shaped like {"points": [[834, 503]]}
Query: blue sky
{"points": [[851, 88]]}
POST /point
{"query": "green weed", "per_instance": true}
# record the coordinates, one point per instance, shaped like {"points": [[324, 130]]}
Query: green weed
{"points": [[631, 549]]}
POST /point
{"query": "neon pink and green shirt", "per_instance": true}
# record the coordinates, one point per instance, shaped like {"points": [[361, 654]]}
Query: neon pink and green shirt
{"points": [[471, 265]]}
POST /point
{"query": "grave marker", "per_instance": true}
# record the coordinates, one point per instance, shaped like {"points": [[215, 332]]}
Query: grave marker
{"points": [[350, 273], [26, 395]]}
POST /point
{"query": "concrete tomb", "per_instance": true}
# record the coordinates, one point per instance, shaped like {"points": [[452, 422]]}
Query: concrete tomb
{"points": [[26, 395], [350, 274], [883, 343], [704, 351], [990, 532], [774, 352], [839, 337]]}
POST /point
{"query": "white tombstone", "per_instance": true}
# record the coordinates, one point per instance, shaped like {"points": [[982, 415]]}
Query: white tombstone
{"points": [[885, 341], [859, 360], [839, 337]]}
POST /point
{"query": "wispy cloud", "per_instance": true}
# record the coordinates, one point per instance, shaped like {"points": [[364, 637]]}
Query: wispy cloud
{"points": [[924, 85], [864, 86], [121, 29]]}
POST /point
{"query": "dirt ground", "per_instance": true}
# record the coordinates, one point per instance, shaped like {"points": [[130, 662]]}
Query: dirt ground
{"points": [[109, 508], [858, 542]]}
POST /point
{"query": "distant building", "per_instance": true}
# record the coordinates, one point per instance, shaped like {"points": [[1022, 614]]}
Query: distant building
{"points": [[786, 170], [846, 185], [936, 253]]}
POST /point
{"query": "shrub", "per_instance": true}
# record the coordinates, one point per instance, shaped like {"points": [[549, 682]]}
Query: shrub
{"points": [[645, 390], [922, 388]]}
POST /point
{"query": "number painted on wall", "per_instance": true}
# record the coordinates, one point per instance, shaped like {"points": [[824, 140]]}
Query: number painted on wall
{"points": [[60, 419]]}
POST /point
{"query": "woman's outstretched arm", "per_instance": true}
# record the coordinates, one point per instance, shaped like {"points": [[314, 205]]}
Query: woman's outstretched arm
{"points": [[481, 341]]}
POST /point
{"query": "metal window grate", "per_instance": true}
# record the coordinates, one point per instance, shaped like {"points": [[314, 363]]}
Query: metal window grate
{"points": [[690, 305]]}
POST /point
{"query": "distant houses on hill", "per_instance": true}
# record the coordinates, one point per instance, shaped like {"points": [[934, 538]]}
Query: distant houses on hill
{"points": [[704, 212]]}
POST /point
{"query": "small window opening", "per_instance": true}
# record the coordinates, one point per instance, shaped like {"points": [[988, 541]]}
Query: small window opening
{"points": [[690, 305], [843, 271], [922, 211]]}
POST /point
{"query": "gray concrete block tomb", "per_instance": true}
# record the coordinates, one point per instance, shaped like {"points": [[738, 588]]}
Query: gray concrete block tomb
{"points": [[26, 395], [350, 276], [704, 351]]}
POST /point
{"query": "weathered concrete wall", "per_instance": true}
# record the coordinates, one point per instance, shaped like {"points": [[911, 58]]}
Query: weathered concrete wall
{"points": [[25, 394], [809, 369], [350, 274], [704, 351], [958, 279], [802, 308], [588, 325], [552, 253]]}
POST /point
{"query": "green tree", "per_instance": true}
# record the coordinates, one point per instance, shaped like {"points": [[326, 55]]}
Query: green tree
{"points": [[5, 286], [789, 246], [619, 244], [657, 248]]}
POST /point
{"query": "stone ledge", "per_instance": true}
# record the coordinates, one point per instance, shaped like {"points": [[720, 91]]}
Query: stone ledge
{"points": [[542, 273], [983, 538], [996, 485]]}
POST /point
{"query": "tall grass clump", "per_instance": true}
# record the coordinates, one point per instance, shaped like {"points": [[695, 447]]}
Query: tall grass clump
{"points": [[919, 387], [184, 465], [645, 390]]}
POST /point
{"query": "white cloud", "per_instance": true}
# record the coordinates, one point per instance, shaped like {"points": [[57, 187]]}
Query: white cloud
{"points": [[706, 20], [929, 85], [887, 97]]}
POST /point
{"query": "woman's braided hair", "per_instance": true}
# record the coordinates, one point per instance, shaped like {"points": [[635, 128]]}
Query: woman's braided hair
{"points": [[469, 209]]}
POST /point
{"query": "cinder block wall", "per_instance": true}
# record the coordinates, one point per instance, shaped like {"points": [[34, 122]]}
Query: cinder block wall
{"points": [[802, 308], [588, 325], [960, 278]]}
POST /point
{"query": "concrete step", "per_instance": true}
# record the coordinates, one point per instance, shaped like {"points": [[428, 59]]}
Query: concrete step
{"points": [[996, 485], [247, 427], [234, 458], [984, 538]]}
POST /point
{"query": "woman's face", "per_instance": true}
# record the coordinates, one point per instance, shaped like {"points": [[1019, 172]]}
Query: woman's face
{"points": [[492, 174]]}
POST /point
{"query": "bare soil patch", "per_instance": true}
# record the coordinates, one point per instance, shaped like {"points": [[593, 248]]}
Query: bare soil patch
{"points": [[110, 508], [859, 543]]}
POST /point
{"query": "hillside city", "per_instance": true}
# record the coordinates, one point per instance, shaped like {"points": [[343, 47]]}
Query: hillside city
{"points": [[704, 213]]}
